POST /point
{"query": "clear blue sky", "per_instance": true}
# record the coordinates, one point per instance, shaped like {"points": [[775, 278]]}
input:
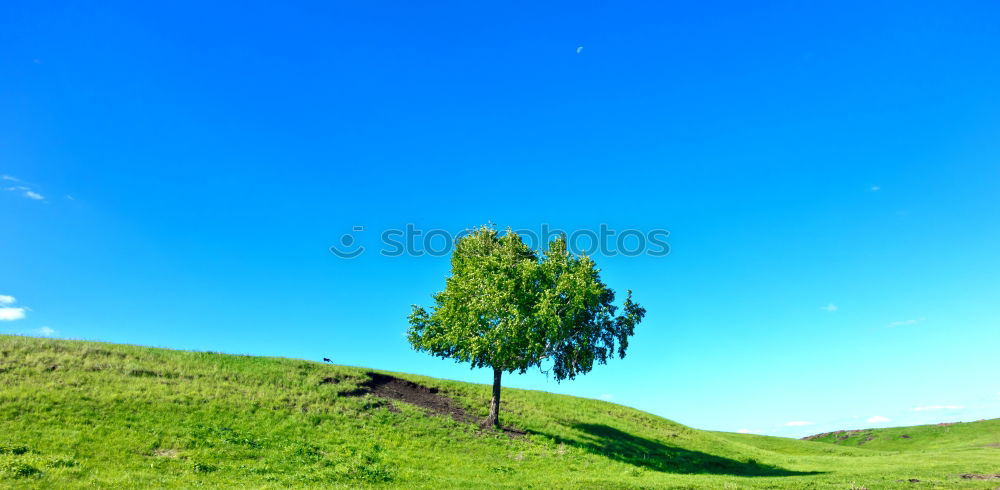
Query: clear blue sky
{"points": [[194, 163]]}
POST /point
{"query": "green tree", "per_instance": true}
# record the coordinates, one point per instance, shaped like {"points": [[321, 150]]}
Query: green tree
{"points": [[508, 308]]}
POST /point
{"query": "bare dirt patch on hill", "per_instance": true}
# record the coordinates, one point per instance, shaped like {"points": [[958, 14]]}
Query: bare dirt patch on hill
{"points": [[393, 388], [388, 387]]}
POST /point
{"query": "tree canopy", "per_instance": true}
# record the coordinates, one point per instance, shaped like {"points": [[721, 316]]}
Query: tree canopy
{"points": [[509, 308]]}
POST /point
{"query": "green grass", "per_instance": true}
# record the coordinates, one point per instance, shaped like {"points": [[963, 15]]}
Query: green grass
{"points": [[76, 414], [920, 438]]}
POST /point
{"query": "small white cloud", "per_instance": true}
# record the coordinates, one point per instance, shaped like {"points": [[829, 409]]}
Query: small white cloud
{"points": [[44, 332], [798, 423], [7, 177], [579, 49], [10, 314], [905, 322], [33, 195], [746, 431], [874, 188], [830, 308], [938, 407], [878, 419], [606, 396]]}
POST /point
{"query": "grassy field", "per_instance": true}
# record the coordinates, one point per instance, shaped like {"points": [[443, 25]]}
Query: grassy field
{"points": [[76, 414], [919, 438]]}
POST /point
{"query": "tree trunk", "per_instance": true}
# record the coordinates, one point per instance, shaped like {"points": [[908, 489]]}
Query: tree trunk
{"points": [[494, 418]]}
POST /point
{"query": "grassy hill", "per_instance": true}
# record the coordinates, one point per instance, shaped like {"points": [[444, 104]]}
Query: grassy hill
{"points": [[76, 414], [919, 438]]}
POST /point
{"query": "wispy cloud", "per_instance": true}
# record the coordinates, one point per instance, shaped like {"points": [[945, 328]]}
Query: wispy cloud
{"points": [[902, 323], [874, 188], [878, 419], [830, 308], [798, 423], [747, 431], [44, 332], [7, 300], [606, 396], [23, 189], [579, 49], [938, 407]]}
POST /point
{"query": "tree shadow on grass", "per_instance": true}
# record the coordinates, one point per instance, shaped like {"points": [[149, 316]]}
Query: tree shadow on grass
{"points": [[646, 453]]}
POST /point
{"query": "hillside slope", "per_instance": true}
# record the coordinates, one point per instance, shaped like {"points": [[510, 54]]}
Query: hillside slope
{"points": [[983, 433], [76, 414]]}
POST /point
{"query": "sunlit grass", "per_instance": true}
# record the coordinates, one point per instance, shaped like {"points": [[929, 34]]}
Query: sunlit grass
{"points": [[76, 414]]}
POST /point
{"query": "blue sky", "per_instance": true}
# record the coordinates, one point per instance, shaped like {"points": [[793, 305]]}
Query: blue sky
{"points": [[829, 175]]}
